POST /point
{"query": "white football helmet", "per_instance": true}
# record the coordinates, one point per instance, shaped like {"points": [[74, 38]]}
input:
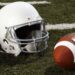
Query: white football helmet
{"points": [[22, 29]]}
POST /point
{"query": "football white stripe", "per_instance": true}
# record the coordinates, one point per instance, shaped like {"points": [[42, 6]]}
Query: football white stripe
{"points": [[67, 44]]}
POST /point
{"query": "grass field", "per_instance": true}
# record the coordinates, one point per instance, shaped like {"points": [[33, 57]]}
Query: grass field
{"points": [[59, 11]]}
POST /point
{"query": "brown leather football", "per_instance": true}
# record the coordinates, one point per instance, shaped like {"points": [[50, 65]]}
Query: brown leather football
{"points": [[64, 51]]}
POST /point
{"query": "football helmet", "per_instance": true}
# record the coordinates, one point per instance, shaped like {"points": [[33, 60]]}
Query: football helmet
{"points": [[22, 29]]}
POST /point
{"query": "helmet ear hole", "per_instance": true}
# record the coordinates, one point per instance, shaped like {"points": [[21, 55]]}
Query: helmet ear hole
{"points": [[4, 40]]}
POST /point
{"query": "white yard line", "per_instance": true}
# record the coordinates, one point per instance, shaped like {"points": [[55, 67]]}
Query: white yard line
{"points": [[39, 2], [60, 26], [31, 2]]}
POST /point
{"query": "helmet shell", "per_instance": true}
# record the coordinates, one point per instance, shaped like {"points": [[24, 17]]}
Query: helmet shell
{"points": [[17, 13]]}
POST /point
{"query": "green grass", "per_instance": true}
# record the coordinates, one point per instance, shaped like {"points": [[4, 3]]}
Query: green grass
{"points": [[59, 11]]}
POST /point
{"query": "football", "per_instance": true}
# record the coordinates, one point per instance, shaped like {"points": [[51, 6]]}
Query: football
{"points": [[64, 51]]}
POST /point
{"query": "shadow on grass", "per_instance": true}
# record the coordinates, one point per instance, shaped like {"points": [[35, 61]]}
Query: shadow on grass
{"points": [[23, 58], [54, 70]]}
